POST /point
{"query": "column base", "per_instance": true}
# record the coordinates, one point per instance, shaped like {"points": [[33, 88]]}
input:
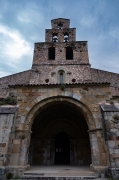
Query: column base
{"points": [[3, 172], [114, 172], [15, 171], [100, 171]]}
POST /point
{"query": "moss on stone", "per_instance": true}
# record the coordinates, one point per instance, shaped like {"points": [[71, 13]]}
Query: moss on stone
{"points": [[8, 100]]}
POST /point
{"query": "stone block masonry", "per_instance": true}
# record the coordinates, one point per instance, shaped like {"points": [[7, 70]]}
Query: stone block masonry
{"points": [[111, 127]]}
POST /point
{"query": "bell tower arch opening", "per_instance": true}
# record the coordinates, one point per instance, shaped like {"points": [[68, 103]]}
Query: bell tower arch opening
{"points": [[66, 37], [59, 136], [60, 26]]}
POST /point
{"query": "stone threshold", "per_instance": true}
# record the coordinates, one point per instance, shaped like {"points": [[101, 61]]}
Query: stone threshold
{"points": [[58, 178]]}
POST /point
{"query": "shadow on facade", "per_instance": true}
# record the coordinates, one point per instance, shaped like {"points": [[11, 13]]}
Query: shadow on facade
{"points": [[59, 136]]}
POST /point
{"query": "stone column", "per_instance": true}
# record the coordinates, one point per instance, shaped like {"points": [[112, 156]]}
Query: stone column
{"points": [[94, 148], [15, 152], [23, 158], [100, 157]]}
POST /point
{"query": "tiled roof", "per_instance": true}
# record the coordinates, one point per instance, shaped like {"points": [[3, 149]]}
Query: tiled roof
{"points": [[81, 83]]}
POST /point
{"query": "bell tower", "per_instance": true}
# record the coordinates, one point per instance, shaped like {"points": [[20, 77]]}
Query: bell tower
{"points": [[60, 32], [60, 59]]}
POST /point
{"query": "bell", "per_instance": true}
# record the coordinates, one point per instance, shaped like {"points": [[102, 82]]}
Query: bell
{"points": [[59, 27], [66, 38], [55, 39]]}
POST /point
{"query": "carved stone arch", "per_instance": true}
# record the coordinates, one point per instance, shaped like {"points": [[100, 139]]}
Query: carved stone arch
{"points": [[73, 101], [56, 74], [60, 68]]}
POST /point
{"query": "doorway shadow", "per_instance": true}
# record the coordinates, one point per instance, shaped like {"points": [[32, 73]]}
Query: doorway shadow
{"points": [[62, 149]]}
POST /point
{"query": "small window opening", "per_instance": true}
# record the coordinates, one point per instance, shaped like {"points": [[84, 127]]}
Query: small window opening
{"points": [[69, 53], [60, 26], [51, 52], [61, 77], [66, 37], [54, 37]]}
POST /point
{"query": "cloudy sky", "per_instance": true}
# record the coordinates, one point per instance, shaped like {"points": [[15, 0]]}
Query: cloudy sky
{"points": [[23, 22]]}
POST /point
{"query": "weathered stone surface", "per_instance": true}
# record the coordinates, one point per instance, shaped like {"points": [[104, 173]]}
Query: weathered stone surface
{"points": [[16, 148], [2, 144]]}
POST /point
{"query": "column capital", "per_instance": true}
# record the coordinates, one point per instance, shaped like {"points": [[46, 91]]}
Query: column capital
{"points": [[22, 134], [94, 130]]}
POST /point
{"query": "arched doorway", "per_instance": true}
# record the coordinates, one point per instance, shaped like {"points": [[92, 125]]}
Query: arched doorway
{"points": [[60, 127], [62, 149]]}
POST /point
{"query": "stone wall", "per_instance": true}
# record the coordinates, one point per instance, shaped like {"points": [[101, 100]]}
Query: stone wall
{"points": [[55, 22], [7, 118], [80, 53], [105, 76], [43, 152], [80, 152], [76, 73], [29, 99], [80, 73], [111, 130]]}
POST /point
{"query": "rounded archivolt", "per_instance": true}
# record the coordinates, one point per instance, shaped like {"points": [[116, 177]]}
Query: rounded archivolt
{"points": [[59, 128], [73, 101]]}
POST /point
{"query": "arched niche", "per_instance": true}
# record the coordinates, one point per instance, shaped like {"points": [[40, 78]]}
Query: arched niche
{"points": [[61, 72]]}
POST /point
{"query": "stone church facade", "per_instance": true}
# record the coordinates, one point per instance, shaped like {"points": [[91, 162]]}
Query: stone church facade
{"points": [[66, 112]]}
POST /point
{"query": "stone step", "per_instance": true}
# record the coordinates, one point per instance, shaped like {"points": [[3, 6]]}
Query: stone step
{"points": [[59, 173], [26, 177], [56, 176]]}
